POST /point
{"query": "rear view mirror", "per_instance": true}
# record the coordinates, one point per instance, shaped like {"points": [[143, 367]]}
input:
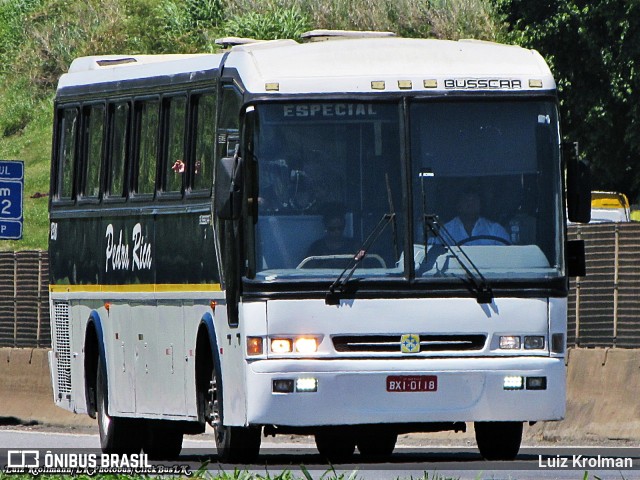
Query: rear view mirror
{"points": [[578, 185], [228, 188]]}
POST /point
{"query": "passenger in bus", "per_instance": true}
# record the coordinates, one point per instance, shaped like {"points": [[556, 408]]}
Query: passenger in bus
{"points": [[469, 224], [334, 242]]}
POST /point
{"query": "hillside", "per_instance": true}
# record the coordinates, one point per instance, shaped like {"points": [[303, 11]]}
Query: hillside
{"points": [[40, 38]]}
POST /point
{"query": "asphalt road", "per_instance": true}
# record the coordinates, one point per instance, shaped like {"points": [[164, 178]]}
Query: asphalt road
{"points": [[408, 461]]}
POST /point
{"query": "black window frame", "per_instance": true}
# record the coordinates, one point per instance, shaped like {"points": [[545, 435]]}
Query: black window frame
{"points": [[192, 141], [82, 170], [108, 195], [57, 174], [165, 139], [133, 185]]}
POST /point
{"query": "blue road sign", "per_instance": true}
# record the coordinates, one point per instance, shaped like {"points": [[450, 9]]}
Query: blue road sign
{"points": [[11, 170], [11, 193]]}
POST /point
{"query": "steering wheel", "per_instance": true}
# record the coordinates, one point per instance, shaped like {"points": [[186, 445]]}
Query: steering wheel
{"points": [[494, 238]]}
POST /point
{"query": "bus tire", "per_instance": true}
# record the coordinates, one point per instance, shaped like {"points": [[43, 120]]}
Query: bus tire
{"points": [[234, 444], [498, 440], [335, 445], [377, 444], [162, 441], [117, 435]]}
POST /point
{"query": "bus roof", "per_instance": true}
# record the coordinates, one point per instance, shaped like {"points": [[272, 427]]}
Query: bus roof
{"points": [[344, 65]]}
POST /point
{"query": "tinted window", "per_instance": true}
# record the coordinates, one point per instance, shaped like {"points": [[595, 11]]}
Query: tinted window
{"points": [[67, 152], [148, 146], [94, 139], [119, 148], [175, 163], [204, 141]]}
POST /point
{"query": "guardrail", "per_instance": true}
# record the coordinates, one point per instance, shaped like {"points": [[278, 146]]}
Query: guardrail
{"points": [[604, 306]]}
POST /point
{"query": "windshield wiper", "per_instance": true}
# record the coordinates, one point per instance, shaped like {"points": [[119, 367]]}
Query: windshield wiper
{"points": [[481, 286], [337, 287], [431, 223]]}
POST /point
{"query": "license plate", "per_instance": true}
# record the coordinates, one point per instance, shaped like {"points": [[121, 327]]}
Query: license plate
{"points": [[412, 383]]}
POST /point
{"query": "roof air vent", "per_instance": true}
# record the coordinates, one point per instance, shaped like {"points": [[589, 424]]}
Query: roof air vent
{"points": [[322, 35]]}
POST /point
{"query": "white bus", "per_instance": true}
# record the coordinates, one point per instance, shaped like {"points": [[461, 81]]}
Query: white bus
{"points": [[239, 239]]}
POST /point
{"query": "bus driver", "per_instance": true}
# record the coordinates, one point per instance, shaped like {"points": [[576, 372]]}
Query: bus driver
{"points": [[470, 224]]}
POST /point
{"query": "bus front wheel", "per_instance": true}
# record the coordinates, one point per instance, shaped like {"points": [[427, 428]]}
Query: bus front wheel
{"points": [[498, 440], [117, 435], [234, 444]]}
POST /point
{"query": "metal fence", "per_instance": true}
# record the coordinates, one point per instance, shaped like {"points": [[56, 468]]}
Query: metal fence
{"points": [[24, 299], [604, 305]]}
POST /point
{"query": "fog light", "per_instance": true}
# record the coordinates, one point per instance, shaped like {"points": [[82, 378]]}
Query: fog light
{"points": [[281, 345], [510, 342], [306, 345], [513, 383], [283, 386], [536, 383], [306, 385], [534, 343]]}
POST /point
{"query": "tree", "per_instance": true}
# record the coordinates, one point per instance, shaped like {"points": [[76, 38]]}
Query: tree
{"points": [[593, 47]]}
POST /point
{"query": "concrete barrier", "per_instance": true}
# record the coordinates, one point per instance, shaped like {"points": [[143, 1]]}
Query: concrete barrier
{"points": [[26, 394], [603, 392], [603, 397]]}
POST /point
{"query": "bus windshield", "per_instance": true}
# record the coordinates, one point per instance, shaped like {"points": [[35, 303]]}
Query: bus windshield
{"points": [[486, 175]]}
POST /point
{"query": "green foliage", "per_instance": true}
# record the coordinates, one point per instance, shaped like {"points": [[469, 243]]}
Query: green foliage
{"points": [[12, 31], [450, 19], [270, 24], [594, 51]]}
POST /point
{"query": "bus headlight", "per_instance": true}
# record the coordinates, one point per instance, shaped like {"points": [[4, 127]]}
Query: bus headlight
{"points": [[509, 342], [306, 345], [281, 345]]}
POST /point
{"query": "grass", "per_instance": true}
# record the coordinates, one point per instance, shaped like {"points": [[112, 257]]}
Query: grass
{"points": [[203, 474], [32, 144]]}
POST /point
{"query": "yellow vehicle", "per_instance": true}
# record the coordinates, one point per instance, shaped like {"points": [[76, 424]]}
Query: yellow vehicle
{"points": [[609, 207]]}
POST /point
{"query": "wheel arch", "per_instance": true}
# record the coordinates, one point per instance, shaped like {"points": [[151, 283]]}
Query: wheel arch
{"points": [[93, 350], [206, 357]]}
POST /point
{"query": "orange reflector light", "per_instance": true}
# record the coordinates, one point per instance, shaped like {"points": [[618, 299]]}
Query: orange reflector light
{"points": [[254, 346]]}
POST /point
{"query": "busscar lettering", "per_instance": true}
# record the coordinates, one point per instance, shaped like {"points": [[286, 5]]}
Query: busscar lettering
{"points": [[329, 110], [120, 256], [482, 84]]}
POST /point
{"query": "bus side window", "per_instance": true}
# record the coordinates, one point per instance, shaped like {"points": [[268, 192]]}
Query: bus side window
{"points": [[205, 107], [174, 163], [93, 138], [118, 149], [66, 153], [230, 109], [148, 116]]}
